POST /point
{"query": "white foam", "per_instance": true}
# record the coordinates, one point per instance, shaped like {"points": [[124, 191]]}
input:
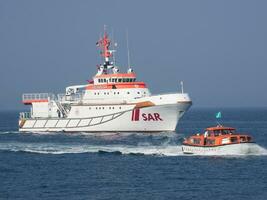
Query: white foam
{"points": [[8, 132], [143, 149]]}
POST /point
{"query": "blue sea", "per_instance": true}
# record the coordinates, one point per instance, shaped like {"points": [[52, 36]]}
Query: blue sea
{"points": [[132, 165]]}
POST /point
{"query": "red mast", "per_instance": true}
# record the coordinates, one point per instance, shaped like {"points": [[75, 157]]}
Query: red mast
{"points": [[104, 44]]}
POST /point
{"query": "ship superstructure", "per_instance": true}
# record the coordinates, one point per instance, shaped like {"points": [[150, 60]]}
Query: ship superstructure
{"points": [[111, 101]]}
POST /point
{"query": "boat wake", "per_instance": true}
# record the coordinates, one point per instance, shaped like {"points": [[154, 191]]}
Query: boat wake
{"points": [[141, 149]]}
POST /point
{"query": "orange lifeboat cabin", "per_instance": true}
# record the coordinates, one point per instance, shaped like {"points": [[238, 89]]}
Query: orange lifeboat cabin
{"points": [[214, 137]]}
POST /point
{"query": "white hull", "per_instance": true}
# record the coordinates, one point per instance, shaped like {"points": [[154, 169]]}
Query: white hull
{"points": [[232, 149], [125, 119]]}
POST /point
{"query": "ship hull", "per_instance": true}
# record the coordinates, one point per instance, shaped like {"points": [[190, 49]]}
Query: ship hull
{"points": [[128, 119], [231, 149]]}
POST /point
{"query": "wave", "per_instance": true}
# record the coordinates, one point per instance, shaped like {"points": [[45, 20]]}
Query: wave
{"points": [[9, 132], [66, 149], [140, 149]]}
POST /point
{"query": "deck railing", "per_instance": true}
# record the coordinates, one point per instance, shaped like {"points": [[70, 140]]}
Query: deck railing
{"points": [[38, 96], [73, 97], [25, 115]]}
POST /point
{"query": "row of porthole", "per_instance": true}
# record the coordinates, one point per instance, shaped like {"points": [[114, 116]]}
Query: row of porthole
{"points": [[107, 93], [103, 108]]}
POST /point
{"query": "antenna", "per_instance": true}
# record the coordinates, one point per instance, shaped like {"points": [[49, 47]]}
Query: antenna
{"points": [[182, 86], [114, 44], [128, 51]]}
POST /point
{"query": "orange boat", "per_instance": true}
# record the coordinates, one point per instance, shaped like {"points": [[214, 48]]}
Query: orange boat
{"points": [[218, 140]]}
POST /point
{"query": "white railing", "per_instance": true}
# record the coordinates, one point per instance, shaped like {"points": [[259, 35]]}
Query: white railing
{"points": [[38, 96], [73, 97], [25, 115]]}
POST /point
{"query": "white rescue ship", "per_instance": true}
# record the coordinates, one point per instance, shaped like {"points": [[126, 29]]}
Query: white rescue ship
{"points": [[112, 101]]}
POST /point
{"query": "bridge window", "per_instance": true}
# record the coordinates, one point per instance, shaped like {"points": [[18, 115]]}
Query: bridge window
{"points": [[119, 80]]}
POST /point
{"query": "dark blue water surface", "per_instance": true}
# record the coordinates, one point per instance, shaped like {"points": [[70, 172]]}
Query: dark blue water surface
{"points": [[131, 166]]}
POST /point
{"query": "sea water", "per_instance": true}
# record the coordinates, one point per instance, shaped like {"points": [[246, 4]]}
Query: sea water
{"points": [[132, 165]]}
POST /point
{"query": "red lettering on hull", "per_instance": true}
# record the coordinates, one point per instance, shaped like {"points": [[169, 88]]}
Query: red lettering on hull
{"points": [[151, 117]]}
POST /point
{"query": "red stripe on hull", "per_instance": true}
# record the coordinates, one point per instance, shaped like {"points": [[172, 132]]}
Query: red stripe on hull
{"points": [[137, 112]]}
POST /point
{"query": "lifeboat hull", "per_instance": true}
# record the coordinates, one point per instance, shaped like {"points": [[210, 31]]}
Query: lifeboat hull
{"points": [[230, 149]]}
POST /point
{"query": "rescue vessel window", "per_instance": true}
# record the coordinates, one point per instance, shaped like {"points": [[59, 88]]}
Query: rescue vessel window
{"points": [[196, 141], [233, 139], [210, 142], [119, 80], [242, 139], [216, 132]]}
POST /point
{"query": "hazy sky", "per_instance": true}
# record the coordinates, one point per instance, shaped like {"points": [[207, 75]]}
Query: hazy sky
{"points": [[218, 48]]}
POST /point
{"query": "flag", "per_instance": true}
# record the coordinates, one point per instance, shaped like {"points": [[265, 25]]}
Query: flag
{"points": [[218, 115]]}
